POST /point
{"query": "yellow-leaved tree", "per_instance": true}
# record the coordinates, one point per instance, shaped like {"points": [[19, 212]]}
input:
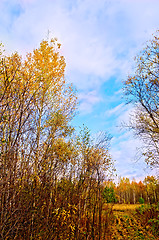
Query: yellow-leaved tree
{"points": [[36, 107], [51, 178], [36, 104]]}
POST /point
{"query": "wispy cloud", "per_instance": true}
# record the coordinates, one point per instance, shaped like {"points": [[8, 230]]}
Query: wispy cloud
{"points": [[124, 151], [118, 110], [87, 101]]}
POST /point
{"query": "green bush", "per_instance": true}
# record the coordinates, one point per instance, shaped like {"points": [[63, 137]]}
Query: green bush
{"points": [[149, 216], [109, 195], [141, 200]]}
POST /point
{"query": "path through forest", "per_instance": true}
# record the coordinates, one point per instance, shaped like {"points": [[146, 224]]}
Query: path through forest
{"points": [[127, 226]]}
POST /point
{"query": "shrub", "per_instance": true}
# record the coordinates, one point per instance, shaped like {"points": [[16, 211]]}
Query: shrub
{"points": [[141, 200]]}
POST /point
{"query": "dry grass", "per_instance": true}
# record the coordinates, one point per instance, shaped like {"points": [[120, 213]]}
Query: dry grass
{"points": [[125, 207]]}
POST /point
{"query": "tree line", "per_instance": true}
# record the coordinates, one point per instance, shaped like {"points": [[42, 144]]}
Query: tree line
{"points": [[132, 192]]}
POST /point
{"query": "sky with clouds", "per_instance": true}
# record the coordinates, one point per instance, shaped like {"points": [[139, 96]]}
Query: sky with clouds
{"points": [[99, 41]]}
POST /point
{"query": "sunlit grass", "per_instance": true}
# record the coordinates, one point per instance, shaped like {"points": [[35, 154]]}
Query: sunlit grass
{"points": [[126, 224], [125, 207]]}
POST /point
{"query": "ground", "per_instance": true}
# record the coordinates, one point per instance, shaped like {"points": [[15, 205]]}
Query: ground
{"points": [[127, 226]]}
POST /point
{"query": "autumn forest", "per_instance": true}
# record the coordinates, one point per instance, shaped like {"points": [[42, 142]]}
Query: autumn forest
{"points": [[56, 182]]}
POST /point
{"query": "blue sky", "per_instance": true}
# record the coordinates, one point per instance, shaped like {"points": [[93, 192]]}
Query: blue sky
{"points": [[99, 41]]}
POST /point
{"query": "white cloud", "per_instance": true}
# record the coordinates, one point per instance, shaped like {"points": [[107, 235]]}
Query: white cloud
{"points": [[76, 28], [126, 149], [98, 37], [87, 101], [128, 163], [116, 110]]}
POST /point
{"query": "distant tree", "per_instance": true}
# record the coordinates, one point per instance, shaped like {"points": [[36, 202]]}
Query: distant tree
{"points": [[151, 188], [141, 200], [142, 90], [109, 195]]}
